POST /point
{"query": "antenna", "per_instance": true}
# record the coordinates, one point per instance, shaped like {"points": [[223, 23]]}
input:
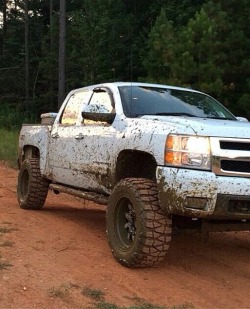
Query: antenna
{"points": [[131, 63]]}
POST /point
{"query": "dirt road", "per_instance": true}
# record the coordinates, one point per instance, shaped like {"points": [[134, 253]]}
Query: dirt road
{"points": [[59, 258]]}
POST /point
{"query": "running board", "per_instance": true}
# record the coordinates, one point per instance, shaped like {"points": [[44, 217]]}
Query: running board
{"points": [[87, 195]]}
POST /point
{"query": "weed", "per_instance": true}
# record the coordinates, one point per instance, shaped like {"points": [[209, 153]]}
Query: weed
{"points": [[60, 292], [104, 305], [94, 294], [184, 306], [4, 265], [147, 306], [5, 230], [99, 302], [7, 243]]}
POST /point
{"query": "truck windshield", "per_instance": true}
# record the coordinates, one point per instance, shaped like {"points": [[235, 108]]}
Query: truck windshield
{"points": [[138, 101]]}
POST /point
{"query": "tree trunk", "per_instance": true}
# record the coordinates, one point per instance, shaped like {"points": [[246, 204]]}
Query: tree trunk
{"points": [[4, 23], [51, 51], [26, 14], [61, 81]]}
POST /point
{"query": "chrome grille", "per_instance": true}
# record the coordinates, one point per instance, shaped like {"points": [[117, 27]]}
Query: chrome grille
{"points": [[231, 157]]}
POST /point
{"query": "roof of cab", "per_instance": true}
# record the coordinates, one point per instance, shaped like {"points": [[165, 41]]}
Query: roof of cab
{"points": [[133, 84]]}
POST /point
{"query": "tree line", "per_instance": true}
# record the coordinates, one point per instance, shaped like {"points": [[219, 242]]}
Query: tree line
{"points": [[199, 44]]}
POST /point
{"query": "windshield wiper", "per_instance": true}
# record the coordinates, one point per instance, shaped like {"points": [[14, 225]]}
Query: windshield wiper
{"points": [[175, 114], [163, 114]]}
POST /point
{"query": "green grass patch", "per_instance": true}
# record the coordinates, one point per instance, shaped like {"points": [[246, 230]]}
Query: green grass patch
{"points": [[13, 116], [8, 146], [95, 294], [104, 305]]}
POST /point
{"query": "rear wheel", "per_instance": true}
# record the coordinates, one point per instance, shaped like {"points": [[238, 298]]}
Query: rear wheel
{"points": [[139, 232], [32, 188]]}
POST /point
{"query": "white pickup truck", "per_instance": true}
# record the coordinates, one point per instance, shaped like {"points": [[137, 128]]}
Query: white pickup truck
{"points": [[160, 157]]}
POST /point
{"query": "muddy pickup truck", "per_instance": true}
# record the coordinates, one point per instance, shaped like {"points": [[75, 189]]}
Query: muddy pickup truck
{"points": [[160, 158]]}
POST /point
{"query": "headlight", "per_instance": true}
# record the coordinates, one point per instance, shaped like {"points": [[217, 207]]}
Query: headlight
{"points": [[188, 151]]}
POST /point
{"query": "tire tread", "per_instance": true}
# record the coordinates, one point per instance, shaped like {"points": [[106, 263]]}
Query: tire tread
{"points": [[38, 186], [155, 238]]}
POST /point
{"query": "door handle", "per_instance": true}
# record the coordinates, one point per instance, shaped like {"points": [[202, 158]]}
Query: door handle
{"points": [[55, 135], [79, 136]]}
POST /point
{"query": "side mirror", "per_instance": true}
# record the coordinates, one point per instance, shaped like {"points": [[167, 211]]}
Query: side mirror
{"points": [[242, 119], [97, 112]]}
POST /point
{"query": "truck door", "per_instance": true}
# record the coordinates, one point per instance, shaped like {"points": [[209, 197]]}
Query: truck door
{"points": [[80, 149], [97, 142], [62, 155]]}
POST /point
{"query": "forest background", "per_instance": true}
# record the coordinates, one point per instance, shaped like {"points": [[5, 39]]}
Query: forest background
{"points": [[204, 45]]}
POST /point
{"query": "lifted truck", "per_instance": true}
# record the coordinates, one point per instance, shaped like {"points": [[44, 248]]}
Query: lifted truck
{"points": [[156, 155]]}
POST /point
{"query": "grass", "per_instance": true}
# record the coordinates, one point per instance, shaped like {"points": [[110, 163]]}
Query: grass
{"points": [[105, 305], [61, 292], [98, 296], [12, 116], [94, 294], [8, 146], [5, 230]]}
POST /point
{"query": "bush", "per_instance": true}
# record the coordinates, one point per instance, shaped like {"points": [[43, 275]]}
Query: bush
{"points": [[8, 146], [12, 117]]}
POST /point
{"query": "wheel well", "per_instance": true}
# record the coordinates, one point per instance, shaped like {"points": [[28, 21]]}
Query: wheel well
{"points": [[30, 152], [134, 163]]}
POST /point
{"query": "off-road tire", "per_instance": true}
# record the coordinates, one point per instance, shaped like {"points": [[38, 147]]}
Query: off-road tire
{"points": [[32, 188], [138, 231]]}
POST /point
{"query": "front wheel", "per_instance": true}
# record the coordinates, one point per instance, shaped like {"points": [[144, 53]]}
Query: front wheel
{"points": [[32, 188], [139, 232]]}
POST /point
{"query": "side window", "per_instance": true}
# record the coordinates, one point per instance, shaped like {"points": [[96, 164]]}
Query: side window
{"points": [[101, 99], [100, 103], [74, 107]]}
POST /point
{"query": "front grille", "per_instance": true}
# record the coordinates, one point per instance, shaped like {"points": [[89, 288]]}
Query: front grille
{"points": [[235, 146], [239, 206], [235, 166], [231, 156]]}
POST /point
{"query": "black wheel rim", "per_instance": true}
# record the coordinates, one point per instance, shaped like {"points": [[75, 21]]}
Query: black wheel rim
{"points": [[24, 184], [125, 222]]}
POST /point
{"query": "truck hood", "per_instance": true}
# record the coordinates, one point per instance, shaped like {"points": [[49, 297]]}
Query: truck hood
{"points": [[203, 126]]}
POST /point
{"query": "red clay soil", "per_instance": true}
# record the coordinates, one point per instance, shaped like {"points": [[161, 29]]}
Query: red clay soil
{"points": [[56, 253]]}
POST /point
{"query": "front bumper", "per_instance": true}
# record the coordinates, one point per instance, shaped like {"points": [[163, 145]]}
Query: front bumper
{"points": [[202, 194]]}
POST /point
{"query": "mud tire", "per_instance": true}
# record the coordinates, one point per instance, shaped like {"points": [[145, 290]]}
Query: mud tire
{"points": [[32, 188], [147, 246]]}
